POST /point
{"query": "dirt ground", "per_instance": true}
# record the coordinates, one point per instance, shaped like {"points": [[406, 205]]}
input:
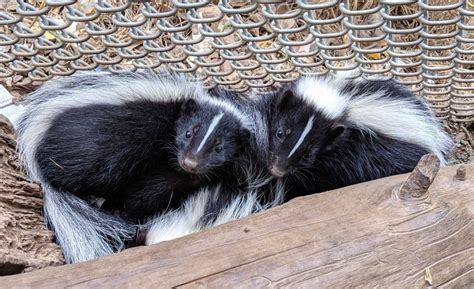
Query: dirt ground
{"points": [[463, 136]]}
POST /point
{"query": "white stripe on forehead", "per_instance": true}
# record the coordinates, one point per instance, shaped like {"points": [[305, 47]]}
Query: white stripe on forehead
{"points": [[307, 129], [230, 108], [212, 127]]}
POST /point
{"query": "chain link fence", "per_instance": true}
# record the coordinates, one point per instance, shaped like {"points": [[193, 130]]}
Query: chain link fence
{"points": [[427, 44]]}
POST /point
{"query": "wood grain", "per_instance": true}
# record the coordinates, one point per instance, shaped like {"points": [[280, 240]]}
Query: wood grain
{"points": [[25, 242], [362, 235]]}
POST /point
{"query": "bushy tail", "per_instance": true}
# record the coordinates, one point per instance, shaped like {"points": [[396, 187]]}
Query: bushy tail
{"points": [[202, 210], [209, 207], [83, 232]]}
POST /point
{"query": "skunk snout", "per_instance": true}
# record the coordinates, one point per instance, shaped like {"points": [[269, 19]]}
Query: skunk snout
{"points": [[277, 172], [189, 165], [278, 167]]}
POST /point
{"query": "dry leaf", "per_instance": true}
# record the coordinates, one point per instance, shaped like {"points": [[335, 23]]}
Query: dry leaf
{"points": [[346, 39], [209, 11], [265, 44], [49, 35], [374, 56]]}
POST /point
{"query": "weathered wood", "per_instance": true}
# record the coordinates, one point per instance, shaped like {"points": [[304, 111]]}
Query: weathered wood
{"points": [[360, 235], [461, 173], [418, 182], [25, 242]]}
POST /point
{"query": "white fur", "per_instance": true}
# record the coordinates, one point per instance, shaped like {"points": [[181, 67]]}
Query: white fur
{"points": [[212, 127], [257, 123], [400, 119], [323, 95], [86, 235], [347, 74], [397, 118], [260, 134], [239, 207], [179, 222], [306, 130], [232, 109], [188, 219]]}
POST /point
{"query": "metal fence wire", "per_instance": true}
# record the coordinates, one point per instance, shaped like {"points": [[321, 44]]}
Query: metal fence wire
{"points": [[427, 44]]}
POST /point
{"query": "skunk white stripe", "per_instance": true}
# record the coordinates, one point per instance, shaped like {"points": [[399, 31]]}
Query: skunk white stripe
{"points": [[324, 95], [400, 119], [229, 107], [212, 127], [305, 132]]}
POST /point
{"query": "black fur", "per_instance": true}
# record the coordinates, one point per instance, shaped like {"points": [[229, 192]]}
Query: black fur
{"points": [[166, 186], [253, 155], [96, 149]]}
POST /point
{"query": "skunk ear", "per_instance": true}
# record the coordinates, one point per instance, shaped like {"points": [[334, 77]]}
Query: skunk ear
{"points": [[244, 136], [189, 107], [336, 131], [339, 129], [286, 100]]}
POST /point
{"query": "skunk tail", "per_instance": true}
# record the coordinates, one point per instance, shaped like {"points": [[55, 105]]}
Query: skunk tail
{"points": [[83, 232]]}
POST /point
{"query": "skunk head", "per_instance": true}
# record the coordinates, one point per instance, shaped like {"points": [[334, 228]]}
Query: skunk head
{"points": [[207, 136], [298, 133]]}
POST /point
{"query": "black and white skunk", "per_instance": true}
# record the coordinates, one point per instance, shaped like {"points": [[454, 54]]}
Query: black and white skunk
{"points": [[250, 189], [327, 133], [118, 137]]}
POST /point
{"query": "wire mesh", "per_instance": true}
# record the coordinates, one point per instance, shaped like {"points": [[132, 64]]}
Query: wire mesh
{"points": [[426, 44]]}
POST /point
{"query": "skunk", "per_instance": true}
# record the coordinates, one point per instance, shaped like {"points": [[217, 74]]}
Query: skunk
{"points": [[325, 133], [252, 188], [142, 141]]}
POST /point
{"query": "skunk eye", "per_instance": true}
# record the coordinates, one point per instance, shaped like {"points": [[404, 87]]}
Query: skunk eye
{"points": [[279, 134], [188, 134], [218, 149]]}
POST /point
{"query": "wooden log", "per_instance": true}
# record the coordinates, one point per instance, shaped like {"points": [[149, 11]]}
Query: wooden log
{"points": [[374, 233], [25, 242]]}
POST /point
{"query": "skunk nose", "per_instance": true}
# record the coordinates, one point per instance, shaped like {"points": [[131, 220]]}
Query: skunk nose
{"points": [[189, 165], [277, 172]]}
